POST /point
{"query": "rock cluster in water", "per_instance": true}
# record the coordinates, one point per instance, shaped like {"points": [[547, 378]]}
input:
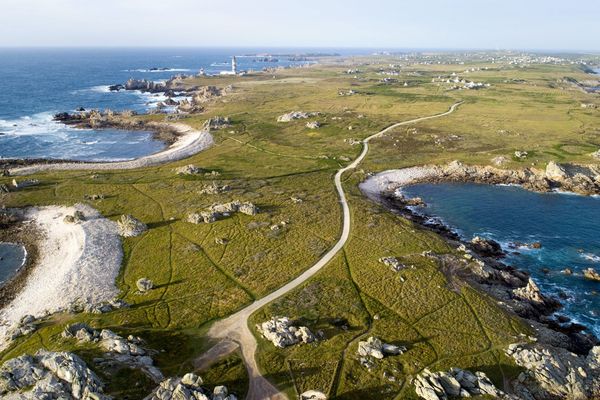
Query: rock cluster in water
{"points": [[455, 383], [281, 332], [188, 388]]}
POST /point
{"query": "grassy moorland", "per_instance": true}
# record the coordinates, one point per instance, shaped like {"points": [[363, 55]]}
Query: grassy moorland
{"points": [[198, 280]]}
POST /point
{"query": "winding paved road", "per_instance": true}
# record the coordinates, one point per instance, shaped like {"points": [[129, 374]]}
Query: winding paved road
{"points": [[233, 332]]}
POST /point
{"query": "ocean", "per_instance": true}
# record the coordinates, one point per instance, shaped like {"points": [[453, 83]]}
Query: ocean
{"points": [[38, 83], [12, 257], [566, 225]]}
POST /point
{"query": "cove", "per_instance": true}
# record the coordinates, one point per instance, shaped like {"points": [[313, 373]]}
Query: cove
{"points": [[12, 257], [567, 226]]}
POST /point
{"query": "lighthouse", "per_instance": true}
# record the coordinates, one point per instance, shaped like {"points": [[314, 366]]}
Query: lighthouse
{"points": [[233, 65]]}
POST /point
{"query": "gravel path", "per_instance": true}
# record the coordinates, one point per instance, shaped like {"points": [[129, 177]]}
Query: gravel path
{"points": [[77, 263], [189, 142], [234, 329]]}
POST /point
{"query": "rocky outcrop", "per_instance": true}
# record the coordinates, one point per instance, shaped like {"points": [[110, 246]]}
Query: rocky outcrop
{"points": [[26, 326], [188, 388], [217, 123], [218, 211], [393, 263], [295, 115], [126, 351], [455, 383], [281, 332], [49, 375], [591, 274], [532, 294], [555, 373], [129, 226], [374, 347], [582, 179], [213, 188], [189, 169], [313, 125], [486, 247]]}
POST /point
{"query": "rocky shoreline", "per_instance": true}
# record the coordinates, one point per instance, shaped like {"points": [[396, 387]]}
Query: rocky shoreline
{"points": [[580, 179], [482, 262], [560, 360]]}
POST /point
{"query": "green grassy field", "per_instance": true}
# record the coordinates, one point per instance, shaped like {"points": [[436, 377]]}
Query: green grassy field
{"points": [[268, 163]]}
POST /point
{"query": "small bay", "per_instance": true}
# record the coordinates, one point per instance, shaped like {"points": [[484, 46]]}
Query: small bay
{"points": [[567, 226]]}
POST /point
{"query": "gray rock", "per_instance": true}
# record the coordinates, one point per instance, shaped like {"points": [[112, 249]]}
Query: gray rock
{"points": [[189, 169], [49, 375], [374, 347], [455, 383], [393, 263], [130, 226], [553, 372], [188, 388], [282, 334], [313, 395], [144, 285]]}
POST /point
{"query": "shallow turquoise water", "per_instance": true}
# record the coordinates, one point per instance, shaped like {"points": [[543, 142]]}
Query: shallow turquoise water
{"points": [[12, 257], [568, 227]]}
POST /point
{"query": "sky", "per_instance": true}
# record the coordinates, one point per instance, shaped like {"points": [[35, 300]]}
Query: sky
{"points": [[394, 24]]}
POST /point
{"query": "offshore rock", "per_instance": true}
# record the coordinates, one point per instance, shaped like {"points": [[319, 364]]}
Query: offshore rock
{"points": [[486, 247], [591, 274]]}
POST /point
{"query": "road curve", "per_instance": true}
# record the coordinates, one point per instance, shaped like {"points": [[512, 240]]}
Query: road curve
{"points": [[233, 331]]}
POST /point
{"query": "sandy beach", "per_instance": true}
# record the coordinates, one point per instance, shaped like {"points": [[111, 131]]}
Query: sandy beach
{"points": [[393, 179], [77, 263], [189, 142]]}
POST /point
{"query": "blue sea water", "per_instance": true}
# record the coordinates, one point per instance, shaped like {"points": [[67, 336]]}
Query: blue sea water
{"points": [[567, 226], [12, 257], [37, 83]]}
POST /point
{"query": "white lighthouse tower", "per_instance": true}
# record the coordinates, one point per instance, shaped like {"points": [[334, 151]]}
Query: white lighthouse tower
{"points": [[233, 65]]}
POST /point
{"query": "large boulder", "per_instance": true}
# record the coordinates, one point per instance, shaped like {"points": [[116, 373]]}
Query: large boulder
{"points": [[374, 347], [130, 226], [144, 285]]}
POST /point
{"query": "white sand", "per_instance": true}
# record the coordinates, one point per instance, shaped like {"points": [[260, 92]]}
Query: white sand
{"points": [[189, 142], [395, 178], [76, 263]]}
